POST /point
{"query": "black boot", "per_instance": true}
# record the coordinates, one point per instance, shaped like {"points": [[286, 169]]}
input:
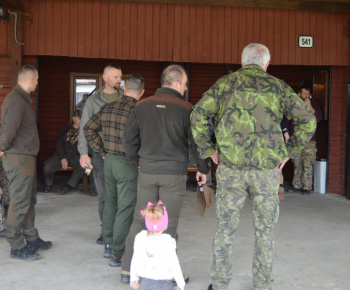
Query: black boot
{"points": [[26, 253], [39, 244]]}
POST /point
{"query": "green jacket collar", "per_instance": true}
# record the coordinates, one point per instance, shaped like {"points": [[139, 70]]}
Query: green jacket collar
{"points": [[252, 67], [169, 91]]}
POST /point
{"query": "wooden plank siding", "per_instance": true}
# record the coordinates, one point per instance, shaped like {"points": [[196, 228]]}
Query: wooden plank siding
{"points": [[5, 77], [5, 36], [340, 79], [179, 33]]}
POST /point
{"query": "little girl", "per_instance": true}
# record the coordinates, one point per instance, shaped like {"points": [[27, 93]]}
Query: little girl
{"points": [[155, 259]]}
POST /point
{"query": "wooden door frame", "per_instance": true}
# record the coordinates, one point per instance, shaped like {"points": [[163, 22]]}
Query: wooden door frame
{"points": [[72, 93]]}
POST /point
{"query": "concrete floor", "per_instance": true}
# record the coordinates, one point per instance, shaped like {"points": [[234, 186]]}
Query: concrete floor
{"points": [[312, 246]]}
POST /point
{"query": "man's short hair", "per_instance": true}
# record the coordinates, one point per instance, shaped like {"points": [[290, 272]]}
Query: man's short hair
{"points": [[172, 73], [305, 87], [26, 72], [134, 83], [77, 113], [255, 53], [109, 66]]}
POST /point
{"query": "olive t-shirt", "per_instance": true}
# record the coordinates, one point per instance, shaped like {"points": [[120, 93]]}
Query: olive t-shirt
{"points": [[111, 97]]}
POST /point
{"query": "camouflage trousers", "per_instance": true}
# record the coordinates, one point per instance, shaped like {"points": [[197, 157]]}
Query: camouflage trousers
{"points": [[5, 197], [233, 187], [303, 167]]}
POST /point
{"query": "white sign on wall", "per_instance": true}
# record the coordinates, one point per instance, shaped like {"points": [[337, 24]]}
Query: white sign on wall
{"points": [[306, 41]]}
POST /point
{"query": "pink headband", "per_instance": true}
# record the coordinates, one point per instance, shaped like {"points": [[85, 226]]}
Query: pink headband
{"points": [[159, 225]]}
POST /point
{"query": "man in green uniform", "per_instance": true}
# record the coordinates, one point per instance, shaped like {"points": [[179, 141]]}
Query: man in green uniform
{"points": [[248, 106], [19, 144], [120, 175]]}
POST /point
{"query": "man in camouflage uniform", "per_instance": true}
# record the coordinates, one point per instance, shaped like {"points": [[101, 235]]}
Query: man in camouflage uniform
{"points": [[303, 165], [247, 107], [5, 200]]}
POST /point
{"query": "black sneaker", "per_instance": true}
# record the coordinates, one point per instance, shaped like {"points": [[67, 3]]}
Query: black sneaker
{"points": [[100, 240], [108, 251], [115, 261], [186, 278], [39, 244], [47, 188], [26, 253]]}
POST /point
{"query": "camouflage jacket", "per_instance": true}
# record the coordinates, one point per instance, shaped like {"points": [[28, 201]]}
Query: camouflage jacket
{"points": [[248, 106]]}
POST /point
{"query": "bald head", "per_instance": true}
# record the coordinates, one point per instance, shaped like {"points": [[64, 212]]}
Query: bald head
{"points": [[28, 78]]}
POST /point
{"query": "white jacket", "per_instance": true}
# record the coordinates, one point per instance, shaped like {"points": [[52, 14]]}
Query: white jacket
{"points": [[155, 258]]}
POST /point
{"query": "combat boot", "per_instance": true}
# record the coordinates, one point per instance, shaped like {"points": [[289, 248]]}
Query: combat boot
{"points": [[39, 244], [26, 253]]}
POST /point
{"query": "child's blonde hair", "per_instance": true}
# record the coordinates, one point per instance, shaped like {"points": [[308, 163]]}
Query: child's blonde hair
{"points": [[154, 212], [156, 217]]}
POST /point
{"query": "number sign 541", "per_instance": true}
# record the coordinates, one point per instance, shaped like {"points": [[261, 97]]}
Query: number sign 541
{"points": [[306, 41]]}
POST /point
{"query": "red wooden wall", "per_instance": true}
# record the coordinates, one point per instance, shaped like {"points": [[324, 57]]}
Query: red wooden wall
{"points": [[340, 79], [201, 77], [5, 76], [180, 33]]}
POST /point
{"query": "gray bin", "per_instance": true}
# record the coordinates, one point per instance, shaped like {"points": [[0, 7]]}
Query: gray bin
{"points": [[320, 175]]}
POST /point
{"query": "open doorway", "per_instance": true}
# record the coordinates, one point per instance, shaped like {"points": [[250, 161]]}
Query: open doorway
{"points": [[317, 78]]}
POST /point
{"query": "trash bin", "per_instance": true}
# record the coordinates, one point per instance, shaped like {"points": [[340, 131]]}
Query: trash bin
{"points": [[320, 175]]}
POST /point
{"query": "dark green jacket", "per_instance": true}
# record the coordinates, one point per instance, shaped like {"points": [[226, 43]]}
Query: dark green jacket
{"points": [[19, 133], [248, 106], [158, 135]]}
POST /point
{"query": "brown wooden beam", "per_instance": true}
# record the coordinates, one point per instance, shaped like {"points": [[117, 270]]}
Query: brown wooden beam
{"points": [[339, 6], [13, 5]]}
